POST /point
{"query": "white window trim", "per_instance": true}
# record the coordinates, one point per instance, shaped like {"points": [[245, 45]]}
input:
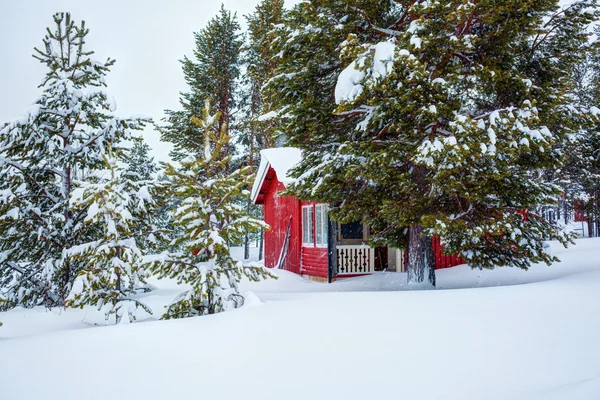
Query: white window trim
{"points": [[312, 226], [323, 226]]}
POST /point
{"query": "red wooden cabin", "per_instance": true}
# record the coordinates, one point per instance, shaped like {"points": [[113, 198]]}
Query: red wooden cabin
{"points": [[300, 240]]}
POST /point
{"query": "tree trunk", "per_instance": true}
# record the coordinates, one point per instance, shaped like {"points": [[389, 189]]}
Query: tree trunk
{"points": [[566, 209], [421, 262], [249, 201], [261, 245], [247, 234]]}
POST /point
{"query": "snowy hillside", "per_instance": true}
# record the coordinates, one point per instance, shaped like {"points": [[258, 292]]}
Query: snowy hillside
{"points": [[307, 340]]}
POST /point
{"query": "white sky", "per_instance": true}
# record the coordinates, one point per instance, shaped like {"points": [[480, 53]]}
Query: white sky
{"points": [[146, 37]]}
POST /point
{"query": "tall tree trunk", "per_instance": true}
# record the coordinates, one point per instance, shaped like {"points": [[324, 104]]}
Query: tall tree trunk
{"points": [[261, 245], [66, 272], [247, 234], [565, 204], [421, 262], [249, 203]]}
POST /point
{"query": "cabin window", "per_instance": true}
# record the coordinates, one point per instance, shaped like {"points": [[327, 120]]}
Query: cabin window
{"points": [[321, 225], [352, 230], [308, 234]]}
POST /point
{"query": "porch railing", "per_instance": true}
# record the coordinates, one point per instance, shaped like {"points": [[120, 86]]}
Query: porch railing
{"points": [[357, 259]]}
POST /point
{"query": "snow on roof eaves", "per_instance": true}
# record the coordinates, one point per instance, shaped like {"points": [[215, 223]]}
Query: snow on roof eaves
{"points": [[282, 160]]}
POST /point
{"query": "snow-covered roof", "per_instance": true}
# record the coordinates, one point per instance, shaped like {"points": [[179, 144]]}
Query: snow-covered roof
{"points": [[281, 159]]}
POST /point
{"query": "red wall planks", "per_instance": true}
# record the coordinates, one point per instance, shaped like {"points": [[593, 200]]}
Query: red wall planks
{"points": [[314, 261], [277, 212], [442, 260]]}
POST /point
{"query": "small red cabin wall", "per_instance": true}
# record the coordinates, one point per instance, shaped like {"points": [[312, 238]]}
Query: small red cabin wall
{"points": [[442, 260], [314, 259], [277, 212]]}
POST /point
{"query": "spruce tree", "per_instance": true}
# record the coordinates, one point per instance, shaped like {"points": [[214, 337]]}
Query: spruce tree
{"points": [[209, 219], [261, 61], [63, 136], [139, 162], [122, 209], [579, 177], [257, 130], [447, 112], [300, 94], [214, 73]]}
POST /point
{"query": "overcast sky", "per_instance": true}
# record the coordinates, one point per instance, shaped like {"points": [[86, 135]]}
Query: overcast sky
{"points": [[146, 37]]}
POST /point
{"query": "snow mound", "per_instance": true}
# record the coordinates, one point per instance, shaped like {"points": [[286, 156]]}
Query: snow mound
{"points": [[251, 299]]}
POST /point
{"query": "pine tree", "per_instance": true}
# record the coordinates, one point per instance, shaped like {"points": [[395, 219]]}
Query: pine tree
{"points": [[212, 73], [209, 219], [261, 60], [579, 177], [257, 131], [123, 211], [64, 136], [300, 94], [139, 162], [447, 113]]}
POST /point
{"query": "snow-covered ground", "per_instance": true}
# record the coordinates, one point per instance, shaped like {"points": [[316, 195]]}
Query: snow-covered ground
{"points": [[503, 334]]}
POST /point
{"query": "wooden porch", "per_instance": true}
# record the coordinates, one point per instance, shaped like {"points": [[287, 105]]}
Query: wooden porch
{"points": [[362, 259]]}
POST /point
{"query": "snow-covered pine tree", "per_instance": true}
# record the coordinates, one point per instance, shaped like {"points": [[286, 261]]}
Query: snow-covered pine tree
{"points": [[122, 210], [306, 46], [579, 177], [455, 107], [261, 60], [63, 137], [139, 162], [213, 73], [256, 131], [209, 219]]}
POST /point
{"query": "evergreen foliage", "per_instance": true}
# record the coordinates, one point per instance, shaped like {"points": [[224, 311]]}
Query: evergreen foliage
{"points": [[212, 73], [209, 219], [122, 210], [63, 137], [261, 60], [447, 111], [257, 130], [579, 177], [139, 162], [301, 91]]}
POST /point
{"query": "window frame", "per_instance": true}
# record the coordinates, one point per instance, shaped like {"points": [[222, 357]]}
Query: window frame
{"points": [[310, 226], [321, 209]]}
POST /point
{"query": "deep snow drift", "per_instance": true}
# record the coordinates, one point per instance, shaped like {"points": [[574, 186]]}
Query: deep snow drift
{"points": [[362, 338]]}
